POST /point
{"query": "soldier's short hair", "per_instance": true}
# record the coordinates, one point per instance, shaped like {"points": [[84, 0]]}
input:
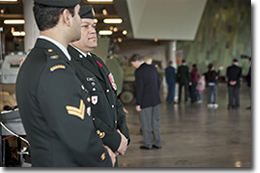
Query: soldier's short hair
{"points": [[47, 17]]}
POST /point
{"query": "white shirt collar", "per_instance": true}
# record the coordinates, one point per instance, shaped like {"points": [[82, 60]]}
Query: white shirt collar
{"points": [[59, 45], [83, 53]]}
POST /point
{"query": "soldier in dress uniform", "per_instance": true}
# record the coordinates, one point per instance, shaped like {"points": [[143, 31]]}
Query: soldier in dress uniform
{"points": [[110, 118], [54, 105]]}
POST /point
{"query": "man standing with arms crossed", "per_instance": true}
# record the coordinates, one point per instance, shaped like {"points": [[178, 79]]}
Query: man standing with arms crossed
{"points": [[109, 117], [53, 104]]}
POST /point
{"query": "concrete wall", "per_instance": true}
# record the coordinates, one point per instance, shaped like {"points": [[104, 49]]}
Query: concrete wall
{"points": [[224, 33]]}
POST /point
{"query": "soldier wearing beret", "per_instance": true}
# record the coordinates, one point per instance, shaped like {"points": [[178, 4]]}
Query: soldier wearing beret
{"points": [[93, 73], [54, 105]]}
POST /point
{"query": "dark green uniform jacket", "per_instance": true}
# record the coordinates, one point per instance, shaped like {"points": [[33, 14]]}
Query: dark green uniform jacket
{"points": [[107, 109], [55, 111]]}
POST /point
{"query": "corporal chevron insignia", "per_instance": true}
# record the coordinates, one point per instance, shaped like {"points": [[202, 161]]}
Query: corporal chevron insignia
{"points": [[79, 112]]}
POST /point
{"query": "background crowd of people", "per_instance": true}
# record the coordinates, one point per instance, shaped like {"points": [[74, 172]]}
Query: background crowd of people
{"points": [[194, 83]]}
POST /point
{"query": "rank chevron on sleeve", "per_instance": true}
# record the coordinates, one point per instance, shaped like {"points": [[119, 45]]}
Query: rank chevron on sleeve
{"points": [[79, 112]]}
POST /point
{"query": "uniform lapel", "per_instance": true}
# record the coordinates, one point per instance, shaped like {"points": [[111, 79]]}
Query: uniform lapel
{"points": [[84, 61], [87, 64], [103, 72]]}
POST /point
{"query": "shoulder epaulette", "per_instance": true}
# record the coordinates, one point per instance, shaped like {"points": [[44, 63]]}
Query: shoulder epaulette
{"points": [[51, 54]]}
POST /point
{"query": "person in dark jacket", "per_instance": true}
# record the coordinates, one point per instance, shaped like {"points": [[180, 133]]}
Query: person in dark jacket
{"points": [[110, 119], [211, 79], [53, 104], [233, 75], [147, 83], [183, 78], [170, 76], [248, 78], [194, 80]]}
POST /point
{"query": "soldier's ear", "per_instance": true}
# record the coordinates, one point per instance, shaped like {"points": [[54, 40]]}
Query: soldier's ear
{"points": [[66, 17]]}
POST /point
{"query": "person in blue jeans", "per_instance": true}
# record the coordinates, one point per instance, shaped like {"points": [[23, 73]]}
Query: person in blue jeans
{"points": [[211, 78], [200, 87]]}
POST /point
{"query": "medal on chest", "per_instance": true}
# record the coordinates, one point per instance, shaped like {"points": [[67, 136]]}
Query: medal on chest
{"points": [[94, 99], [112, 81]]}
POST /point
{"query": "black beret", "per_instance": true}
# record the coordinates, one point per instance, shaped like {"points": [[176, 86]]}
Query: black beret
{"points": [[235, 60], [86, 12], [58, 3]]}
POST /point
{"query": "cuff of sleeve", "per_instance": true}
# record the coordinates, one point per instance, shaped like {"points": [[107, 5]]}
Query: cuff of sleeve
{"points": [[112, 140]]}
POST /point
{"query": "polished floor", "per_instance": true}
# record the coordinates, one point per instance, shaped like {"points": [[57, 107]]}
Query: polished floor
{"points": [[195, 136]]}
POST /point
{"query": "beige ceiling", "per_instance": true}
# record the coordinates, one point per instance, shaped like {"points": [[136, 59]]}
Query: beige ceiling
{"points": [[143, 19], [165, 19]]}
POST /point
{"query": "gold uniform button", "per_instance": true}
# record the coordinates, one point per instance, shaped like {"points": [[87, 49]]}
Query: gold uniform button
{"points": [[101, 134], [88, 99], [113, 106], [107, 90], [50, 50]]}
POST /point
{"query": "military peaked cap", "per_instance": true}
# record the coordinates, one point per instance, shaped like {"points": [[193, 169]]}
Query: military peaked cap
{"points": [[86, 12], [58, 3]]}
